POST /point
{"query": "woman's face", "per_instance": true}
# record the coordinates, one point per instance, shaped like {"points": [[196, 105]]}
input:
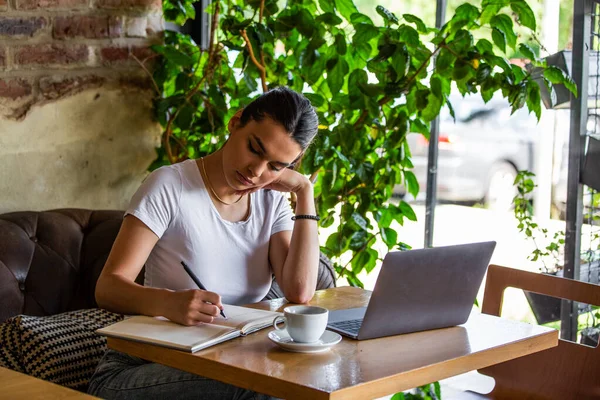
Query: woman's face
{"points": [[257, 153]]}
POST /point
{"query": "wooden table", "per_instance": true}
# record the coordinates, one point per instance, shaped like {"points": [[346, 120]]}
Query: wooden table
{"points": [[15, 385], [354, 369]]}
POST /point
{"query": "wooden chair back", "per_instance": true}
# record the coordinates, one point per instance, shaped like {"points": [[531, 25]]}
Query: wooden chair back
{"points": [[568, 371]]}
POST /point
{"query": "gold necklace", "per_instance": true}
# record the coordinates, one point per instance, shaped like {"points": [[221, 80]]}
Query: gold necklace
{"points": [[211, 188]]}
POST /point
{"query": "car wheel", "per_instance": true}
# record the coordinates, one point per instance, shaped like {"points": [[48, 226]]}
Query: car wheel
{"points": [[501, 189]]}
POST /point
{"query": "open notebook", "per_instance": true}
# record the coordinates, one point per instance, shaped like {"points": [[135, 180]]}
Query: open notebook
{"points": [[160, 331]]}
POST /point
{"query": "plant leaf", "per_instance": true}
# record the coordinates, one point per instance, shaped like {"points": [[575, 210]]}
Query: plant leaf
{"points": [[315, 99], [346, 8], [175, 56], [409, 35], [336, 76], [389, 236], [557, 76], [503, 23], [363, 33], [489, 11], [527, 51], [411, 183], [499, 39], [360, 221], [467, 12], [419, 126], [388, 16], [417, 21], [328, 6], [483, 72], [484, 45], [358, 18], [444, 60], [340, 44], [401, 61], [407, 211], [329, 18], [524, 12]]}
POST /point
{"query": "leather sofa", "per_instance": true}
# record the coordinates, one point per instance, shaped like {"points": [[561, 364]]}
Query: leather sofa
{"points": [[50, 260]]}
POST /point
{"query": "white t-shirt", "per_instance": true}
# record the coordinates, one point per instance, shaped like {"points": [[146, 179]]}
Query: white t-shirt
{"points": [[229, 258]]}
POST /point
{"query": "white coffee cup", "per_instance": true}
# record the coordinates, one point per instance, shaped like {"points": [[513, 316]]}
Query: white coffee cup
{"points": [[304, 324]]}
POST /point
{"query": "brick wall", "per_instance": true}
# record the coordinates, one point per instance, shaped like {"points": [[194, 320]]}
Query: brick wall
{"points": [[53, 48]]}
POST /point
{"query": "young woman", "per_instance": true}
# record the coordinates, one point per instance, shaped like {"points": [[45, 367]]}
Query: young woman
{"points": [[216, 215]]}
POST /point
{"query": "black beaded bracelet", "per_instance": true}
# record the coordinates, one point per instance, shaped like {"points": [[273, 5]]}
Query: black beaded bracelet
{"points": [[315, 217]]}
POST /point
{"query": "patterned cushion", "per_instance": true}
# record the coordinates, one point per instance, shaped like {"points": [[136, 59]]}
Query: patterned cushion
{"points": [[61, 348], [9, 348]]}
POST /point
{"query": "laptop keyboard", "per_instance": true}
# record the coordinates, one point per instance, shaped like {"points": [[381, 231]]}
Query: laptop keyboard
{"points": [[352, 326]]}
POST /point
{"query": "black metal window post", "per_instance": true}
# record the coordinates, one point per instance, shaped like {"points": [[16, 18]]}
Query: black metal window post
{"points": [[582, 17], [432, 157], [198, 28]]}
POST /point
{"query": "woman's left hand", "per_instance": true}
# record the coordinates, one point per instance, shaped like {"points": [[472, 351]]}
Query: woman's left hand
{"points": [[289, 181]]}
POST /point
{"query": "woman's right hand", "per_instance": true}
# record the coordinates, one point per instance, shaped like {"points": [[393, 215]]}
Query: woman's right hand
{"points": [[192, 306]]}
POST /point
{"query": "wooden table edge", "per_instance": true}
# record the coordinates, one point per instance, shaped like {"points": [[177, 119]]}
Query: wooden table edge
{"points": [[452, 367], [381, 387], [35, 388]]}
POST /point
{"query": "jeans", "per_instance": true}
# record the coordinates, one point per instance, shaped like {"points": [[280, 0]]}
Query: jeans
{"points": [[121, 376]]}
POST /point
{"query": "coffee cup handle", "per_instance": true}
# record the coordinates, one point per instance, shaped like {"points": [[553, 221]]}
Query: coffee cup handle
{"points": [[277, 320]]}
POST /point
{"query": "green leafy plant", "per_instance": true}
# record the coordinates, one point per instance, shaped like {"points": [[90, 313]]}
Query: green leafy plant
{"points": [[430, 391], [524, 214], [371, 85], [554, 249]]}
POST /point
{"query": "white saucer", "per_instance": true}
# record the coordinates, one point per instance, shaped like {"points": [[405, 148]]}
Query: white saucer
{"points": [[283, 340]]}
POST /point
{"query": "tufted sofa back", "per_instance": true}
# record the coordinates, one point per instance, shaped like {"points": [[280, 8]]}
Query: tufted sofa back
{"points": [[50, 260]]}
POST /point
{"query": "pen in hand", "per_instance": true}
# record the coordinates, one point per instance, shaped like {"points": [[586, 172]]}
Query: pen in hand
{"points": [[197, 281]]}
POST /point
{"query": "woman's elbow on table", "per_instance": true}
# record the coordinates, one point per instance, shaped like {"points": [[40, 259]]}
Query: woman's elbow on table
{"points": [[299, 295]]}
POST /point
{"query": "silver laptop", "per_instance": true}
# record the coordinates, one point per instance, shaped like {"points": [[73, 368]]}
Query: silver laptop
{"points": [[418, 290]]}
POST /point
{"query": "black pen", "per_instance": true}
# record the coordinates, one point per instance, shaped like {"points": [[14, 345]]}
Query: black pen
{"points": [[197, 281]]}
